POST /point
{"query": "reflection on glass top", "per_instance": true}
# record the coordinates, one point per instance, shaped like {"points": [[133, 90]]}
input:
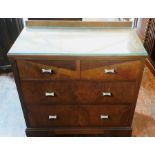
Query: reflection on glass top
{"points": [[78, 42]]}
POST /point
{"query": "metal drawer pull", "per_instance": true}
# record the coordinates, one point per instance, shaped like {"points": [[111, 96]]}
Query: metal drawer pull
{"points": [[107, 94], [46, 71], [109, 71], [49, 93], [52, 117], [104, 117]]}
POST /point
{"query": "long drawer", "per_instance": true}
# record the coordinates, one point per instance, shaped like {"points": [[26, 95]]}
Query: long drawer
{"points": [[61, 116], [48, 69], [110, 70], [78, 92]]}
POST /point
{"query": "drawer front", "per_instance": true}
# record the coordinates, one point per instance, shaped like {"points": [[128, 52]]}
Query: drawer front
{"points": [[47, 69], [48, 92], [64, 116], [71, 92], [106, 92], [110, 70]]}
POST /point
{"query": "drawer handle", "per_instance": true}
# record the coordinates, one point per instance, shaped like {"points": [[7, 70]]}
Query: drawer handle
{"points": [[52, 117], [50, 71], [49, 93], [107, 94], [109, 71], [104, 117]]}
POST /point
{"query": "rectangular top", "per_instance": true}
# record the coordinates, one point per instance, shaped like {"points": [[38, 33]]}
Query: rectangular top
{"points": [[78, 41]]}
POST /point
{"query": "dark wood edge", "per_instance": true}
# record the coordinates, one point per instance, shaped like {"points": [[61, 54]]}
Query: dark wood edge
{"points": [[48, 57], [56, 23], [18, 85], [138, 84], [72, 19], [84, 131], [151, 65], [78, 79]]}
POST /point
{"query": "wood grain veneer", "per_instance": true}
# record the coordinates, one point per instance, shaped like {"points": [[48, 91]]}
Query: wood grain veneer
{"points": [[78, 92], [74, 116], [124, 70]]}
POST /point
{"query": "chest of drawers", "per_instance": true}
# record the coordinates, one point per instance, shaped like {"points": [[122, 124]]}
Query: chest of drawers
{"points": [[77, 94]]}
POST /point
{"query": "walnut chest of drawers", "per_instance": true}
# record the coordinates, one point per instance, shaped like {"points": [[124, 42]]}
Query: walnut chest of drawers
{"points": [[78, 81]]}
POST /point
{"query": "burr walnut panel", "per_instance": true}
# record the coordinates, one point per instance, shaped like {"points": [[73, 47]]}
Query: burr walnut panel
{"points": [[34, 92], [61, 116], [105, 92], [78, 92], [122, 70], [48, 69]]}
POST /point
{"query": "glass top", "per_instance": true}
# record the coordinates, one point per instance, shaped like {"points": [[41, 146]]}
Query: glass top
{"points": [[75, 41]]}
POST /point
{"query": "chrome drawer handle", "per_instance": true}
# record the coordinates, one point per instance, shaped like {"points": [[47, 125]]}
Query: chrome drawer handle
{"points": [[109, 71], [50, 71], [104, 117], [107, 94], [49, 93], [52, 117]]}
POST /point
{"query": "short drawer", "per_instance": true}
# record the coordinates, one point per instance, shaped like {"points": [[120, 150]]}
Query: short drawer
{"points": [[48, 92], [110, 70], [106, 92], [64, 116], [78, 92], [47, 69]]}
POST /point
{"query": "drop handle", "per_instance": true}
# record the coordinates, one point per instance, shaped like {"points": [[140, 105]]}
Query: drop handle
{"points": [[109, 71], [49, 94], [49, 71], [107, 94], [52, 117], [104, 117]]}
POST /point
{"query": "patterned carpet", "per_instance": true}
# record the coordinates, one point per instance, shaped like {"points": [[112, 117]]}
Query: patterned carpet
{"points": [[12, 123], [144, 118]]}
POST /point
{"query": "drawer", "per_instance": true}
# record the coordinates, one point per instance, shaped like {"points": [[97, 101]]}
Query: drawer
{"points": [[47, 69], [110, 70], [76, 92], [65, 116], [48, 92], [106, 92]]}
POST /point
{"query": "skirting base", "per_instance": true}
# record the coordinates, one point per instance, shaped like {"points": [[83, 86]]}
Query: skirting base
{"points": [[79, 132]]}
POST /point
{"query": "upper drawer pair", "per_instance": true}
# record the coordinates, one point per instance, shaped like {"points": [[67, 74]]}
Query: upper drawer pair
{"points": [[84, 69]]}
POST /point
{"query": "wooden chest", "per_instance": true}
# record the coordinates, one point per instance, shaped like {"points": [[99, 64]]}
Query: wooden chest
{"points": [[73, 93]]}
